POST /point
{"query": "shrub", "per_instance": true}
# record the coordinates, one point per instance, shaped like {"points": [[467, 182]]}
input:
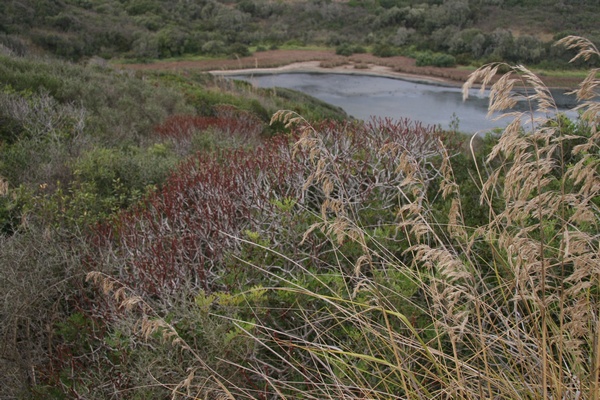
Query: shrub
{"points": [[384, 50], [344, 50], [39, 271], [239, 50], [40, 134], [214, 47], [435, 59], [349, 49], [133, 168], [231, 128], [13, 203], [201, 205], [13, 44], [186, 236]]}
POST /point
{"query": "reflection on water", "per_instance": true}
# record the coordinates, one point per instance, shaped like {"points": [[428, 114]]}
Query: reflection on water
{"points": [[365, 96]]}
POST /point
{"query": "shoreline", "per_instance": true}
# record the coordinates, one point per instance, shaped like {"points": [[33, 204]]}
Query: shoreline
{"points": [[314, 67], [326, 61]]}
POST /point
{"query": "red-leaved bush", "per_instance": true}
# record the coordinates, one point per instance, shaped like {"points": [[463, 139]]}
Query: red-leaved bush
{"points": [[180, 233], [184, 237], [229, 121]]}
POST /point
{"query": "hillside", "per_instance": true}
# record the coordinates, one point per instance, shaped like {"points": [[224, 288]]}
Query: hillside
{"points": [[150, 29], [78, 145], [169, 234]]}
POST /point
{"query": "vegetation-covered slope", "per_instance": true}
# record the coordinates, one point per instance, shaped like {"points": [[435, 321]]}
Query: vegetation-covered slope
{"points": [[78, 144], [514, 31], [160, 239]]}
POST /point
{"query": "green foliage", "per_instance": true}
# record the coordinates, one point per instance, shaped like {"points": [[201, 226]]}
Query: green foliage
{"points": [[348, 50], [384, 50], [435, 59], [352, 267], [132, 169], [77, 145], [13, 207], [387, 270], [150, 29], [128, 111], [239, 50]]}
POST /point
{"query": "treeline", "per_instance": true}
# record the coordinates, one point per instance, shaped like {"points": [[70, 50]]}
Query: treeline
{"points": [[150, 29]]}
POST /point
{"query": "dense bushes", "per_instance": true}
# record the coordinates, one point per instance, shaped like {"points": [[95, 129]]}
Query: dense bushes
{"points": [[435, 59], [353, 273], [38, 276], [348, 50], [384, 50], [147, 30], [79, 144], [341, 259], [219, 207]]}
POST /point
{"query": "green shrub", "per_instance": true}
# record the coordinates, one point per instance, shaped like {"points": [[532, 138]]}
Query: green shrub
{"points": [[384, 50], [349, 49], [239, 50], [344, 50], [214, 47], [435, 59], [131, 170]]}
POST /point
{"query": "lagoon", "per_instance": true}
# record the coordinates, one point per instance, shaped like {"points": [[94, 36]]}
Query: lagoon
{"points": [[363, 96]]}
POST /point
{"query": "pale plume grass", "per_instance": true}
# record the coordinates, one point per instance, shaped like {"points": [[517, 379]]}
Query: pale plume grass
{"points": [[201, 380]]}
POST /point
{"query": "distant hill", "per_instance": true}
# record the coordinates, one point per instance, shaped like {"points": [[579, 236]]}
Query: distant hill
{"points": [[469, 30]]}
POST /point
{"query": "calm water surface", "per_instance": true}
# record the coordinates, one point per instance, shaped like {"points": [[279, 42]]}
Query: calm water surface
{"points": [[365, 96]]}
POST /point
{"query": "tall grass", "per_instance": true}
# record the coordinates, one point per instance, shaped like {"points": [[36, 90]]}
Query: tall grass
{"points": [[506, 309], [512, 305]]}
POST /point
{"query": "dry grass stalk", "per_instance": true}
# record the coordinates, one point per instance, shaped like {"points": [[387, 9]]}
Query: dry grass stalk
{"points": [[3, 187], [152, 326]]}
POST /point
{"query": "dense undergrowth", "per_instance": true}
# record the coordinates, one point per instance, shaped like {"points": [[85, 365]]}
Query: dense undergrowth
{"points": [[77, 145], [334, 259]]}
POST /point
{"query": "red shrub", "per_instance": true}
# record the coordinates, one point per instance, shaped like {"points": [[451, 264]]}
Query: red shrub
{"points": [[229, 121], [181, 232]]}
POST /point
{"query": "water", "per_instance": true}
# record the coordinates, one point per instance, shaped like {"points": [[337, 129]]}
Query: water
{"points": [[363, 96]]}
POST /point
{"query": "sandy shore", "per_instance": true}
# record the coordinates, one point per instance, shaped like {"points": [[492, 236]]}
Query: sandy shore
{"points": [[326, 61], [315, 67]]}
